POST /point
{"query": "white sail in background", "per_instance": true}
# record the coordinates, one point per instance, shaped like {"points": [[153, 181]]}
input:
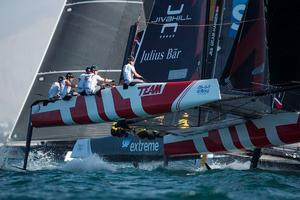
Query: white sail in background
{"points": [[23, 41], [88, 33]]}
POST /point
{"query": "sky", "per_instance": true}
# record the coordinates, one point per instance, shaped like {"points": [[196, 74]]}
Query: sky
{"points": [[26, 29]]}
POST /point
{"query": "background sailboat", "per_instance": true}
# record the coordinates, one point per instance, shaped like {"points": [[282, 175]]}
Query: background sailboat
{"points": [[88, 33], [29, 26]]}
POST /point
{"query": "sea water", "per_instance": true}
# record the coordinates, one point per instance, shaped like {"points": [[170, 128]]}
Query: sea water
{"points": [[94, 178]]}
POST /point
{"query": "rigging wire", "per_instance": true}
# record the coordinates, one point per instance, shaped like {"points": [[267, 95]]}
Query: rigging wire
{"points": [[243, 24], [217, 122], [209, 25]]}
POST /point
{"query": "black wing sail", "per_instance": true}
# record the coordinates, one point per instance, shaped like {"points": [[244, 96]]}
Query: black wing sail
{"points": [[245, 68], [88, 33], [213, 31], [172, 45], [233, 12]]}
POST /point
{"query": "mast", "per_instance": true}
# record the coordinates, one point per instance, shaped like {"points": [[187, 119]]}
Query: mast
{"points": [[214, 19], [131, 37]]}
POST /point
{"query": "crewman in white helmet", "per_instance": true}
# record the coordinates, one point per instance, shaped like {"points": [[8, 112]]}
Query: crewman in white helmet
{"points": [[56, 89], [131, 77], [95, 81], [82, 81]]}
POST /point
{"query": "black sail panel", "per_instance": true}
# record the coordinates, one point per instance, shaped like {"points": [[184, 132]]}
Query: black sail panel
{"points": [[214, 28], [172, 45], [242, 62], [232, 20], [245, 68], [88, 33]]}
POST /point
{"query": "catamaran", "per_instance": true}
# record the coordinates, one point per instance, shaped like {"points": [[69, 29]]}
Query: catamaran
{"points": [[182, 48]]}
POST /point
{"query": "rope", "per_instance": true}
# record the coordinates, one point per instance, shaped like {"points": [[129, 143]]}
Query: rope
{"points": [[208, 25]]}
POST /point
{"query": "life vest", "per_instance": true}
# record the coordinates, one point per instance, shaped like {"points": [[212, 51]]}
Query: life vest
{"points": [[56, 89], [183, 123], [89, 84], [66, 90], [81, 83]]}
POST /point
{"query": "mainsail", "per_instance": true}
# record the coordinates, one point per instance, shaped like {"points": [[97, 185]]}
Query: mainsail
{"points": [[172, 44], [232, 15], [89, 32], [245, 67], [241, 59]]}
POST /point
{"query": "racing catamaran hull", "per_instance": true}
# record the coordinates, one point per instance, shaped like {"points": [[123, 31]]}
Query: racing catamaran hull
{"points": [[273, 130], [270, 130], [116, 103]]}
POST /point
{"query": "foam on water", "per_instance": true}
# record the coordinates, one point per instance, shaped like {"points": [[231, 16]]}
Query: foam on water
{"points": [[150, 166], [39, 160], [95, 178], [5, 129], [95, 163], [236, 165], [3, 157], [91, 163]]}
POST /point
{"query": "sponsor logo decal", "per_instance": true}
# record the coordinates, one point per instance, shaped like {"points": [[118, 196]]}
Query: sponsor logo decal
{"points": [[169, 54], [126, 142], [213, 32], [140, 146], [203, 89], [238, 9], [150, 90], [171, 20]]}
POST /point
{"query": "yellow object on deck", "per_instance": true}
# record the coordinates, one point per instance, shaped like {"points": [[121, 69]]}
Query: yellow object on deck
{"points": [[184, 122]]}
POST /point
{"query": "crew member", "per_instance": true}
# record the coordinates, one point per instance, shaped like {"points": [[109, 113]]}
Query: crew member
{"points": [[184, 121], [95, 81], [82, 81], [56, 89], [67, 92], [131, 77]]}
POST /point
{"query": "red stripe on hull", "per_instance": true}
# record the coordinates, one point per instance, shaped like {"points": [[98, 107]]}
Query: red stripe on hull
{"points": [[100, 107], [235, 138], [184, 147], [79, 112], [213, 142], [163, 102], [51, 118], [122, 106], [257, 136], [289, 133]]}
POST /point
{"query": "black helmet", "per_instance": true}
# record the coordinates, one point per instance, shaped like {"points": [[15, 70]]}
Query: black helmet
{"points": [[88, 70], [93, 68], [60, 78], [130, 58], [69, 75]]}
